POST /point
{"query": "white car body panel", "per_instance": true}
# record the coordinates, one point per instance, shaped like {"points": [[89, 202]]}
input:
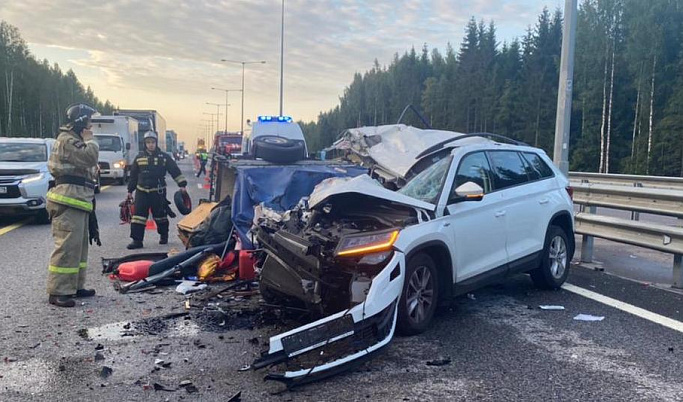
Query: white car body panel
{"points": [[32, 188]]}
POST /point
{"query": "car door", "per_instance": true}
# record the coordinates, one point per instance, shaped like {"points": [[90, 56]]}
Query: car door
{"points": [[523, 211], [477, 227]]}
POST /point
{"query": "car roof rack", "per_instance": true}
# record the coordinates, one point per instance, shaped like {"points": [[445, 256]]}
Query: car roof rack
{"points": [[441, 144]]}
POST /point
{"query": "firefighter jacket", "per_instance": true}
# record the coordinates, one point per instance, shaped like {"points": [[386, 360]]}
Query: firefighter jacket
{"points": [[73, 164], [149, 169]]}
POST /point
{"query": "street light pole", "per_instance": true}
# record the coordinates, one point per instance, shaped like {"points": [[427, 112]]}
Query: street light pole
{"points": [[564, 96], [243, 63], [218, 105], [226, 102], [282, 55]]}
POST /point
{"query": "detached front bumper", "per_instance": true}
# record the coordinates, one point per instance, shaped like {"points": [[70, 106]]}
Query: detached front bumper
{"points": [[342, 340]]}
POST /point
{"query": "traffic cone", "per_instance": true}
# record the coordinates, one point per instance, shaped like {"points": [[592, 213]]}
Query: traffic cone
{"points": [[151, 225]]}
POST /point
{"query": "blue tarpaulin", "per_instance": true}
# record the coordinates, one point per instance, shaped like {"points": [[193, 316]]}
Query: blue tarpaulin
{"points": [[279, 188]]}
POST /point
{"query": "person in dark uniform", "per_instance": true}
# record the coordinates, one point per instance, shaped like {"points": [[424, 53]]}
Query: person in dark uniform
{"points": [[147, 179]]}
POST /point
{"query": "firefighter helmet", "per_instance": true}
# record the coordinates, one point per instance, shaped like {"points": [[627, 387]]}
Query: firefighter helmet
{"points": [[78, 116], [151, 134]]}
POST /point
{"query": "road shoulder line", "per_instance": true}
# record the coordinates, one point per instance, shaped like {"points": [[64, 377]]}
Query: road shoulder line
{"points": [[628, 308]]}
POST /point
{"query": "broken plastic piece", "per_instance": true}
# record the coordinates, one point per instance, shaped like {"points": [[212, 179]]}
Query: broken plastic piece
{"points": [[186, 287], [550, 307], [588, 317]]}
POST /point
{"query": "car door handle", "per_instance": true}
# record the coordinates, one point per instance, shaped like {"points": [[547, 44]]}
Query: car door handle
{"points": [[544, 200], [498, 214]]}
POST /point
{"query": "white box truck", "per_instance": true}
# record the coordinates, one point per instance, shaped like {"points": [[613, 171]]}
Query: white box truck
{"points": [[147, 120], [118, 138]]}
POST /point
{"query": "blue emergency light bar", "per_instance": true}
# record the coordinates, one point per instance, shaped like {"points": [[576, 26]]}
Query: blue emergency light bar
{"points": [[279, 119]]}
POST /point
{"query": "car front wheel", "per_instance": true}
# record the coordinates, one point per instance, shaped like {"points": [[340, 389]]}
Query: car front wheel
{"points": [[420, 296], [554, 267]]}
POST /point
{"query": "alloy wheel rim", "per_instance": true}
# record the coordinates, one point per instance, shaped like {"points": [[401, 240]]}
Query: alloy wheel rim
{"points": [[420, 294], [558, 257]]}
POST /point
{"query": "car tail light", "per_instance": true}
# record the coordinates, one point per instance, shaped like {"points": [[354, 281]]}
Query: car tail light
{"points": [[570, 191]]}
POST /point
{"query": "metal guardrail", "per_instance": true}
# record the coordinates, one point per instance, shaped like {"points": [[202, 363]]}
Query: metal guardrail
{"points": [[674, 183], [653, 195]]}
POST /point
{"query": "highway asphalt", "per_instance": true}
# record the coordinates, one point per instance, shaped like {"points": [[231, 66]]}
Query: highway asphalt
{"points": [[499, 344]]}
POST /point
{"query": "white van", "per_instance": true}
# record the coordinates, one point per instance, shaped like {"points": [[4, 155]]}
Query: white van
{"points": [[24, 177], [118, 140], [275, 139]]}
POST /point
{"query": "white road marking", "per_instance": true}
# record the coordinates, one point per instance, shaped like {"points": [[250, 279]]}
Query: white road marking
{"points": [[105, 187], [628, 308]]}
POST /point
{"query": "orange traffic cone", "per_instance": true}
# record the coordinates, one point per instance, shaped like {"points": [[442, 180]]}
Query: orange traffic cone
{"points": [[151, 225]]}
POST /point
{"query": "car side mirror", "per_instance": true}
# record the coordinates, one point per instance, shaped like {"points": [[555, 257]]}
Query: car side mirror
{"points": [[469, 191], [128, 146]]}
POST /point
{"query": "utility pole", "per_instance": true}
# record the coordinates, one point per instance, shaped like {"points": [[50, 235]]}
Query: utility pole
{"points": [[243, 63], [226, 102], [282, 55], [564, 94]]}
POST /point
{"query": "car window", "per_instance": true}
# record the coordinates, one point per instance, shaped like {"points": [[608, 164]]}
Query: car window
{"points": [[22, 152], [475, 168], [508, 169], [110, 143], [427, 185], [536, 166]]}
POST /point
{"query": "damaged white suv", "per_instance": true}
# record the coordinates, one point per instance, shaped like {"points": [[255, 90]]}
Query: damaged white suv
{"points": [[372, 260]]}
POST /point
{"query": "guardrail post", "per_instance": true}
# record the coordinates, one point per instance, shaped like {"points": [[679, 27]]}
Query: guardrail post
{"points": [[678, 271], [635, 216], [587, 242]]}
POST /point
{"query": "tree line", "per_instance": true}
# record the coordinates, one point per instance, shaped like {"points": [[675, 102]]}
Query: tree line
{"points": [[34, 95], [627, 112]]}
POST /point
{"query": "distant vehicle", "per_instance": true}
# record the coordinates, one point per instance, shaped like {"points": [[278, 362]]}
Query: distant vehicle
{"points": [[275, 139], [24, 177], [147, 120], [171, 142], [227, 143], [119, 143], [181, 149], [201, 146]]}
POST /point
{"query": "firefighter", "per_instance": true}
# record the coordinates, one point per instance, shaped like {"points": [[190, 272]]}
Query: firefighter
{"points": [[147, 179], [69, 203]]}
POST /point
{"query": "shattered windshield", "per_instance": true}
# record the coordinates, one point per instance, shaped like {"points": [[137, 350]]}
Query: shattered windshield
{"points": [[426, 186]]}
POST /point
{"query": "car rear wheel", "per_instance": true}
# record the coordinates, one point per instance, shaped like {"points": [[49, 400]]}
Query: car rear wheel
{"points": [[554, 267], [419, 297]]}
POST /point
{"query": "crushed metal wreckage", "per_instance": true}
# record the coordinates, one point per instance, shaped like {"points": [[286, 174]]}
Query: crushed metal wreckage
{"points": [[341, 260]]}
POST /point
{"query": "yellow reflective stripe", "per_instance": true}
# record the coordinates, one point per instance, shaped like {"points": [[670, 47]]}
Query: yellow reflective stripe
{"points": [[180, 179], [72, 202], [139, 220], [149, 190], [83, 265], [63, 270]]}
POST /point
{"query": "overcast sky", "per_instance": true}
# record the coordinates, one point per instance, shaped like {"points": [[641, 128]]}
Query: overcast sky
{"points": [[165, 54]]}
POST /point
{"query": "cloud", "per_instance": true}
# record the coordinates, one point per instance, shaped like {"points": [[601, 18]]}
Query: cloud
{"points": [[169, 51]]}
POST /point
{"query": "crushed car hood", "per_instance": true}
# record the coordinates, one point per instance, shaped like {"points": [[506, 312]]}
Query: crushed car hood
{"points": [[393, 147], [363, 185]]}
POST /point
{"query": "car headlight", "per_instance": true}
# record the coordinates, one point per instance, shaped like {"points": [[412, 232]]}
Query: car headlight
{"points": [[120, 164], [33, 177], [366, 243]]}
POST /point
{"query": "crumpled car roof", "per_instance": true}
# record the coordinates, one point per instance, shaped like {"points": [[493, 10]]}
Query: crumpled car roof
{"points": [[393, 147]]}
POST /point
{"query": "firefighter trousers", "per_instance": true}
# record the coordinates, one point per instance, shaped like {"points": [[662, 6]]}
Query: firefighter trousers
{"points": [[143, 203], [69, 260]]}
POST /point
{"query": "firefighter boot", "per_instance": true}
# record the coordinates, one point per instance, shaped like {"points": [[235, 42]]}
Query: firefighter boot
{"points": [[61, 301], [163, 239], [85, 293], [134, 244]]}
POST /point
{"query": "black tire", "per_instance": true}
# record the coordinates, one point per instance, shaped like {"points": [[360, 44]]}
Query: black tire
{"points": [[183, 202], [554, 266], [415, 316], [278, 149], [43, 217]]}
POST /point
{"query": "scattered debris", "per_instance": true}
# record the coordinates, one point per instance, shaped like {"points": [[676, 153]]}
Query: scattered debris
{"points": [[10, 360], [671, 349], [159, 387], [191, 389], [588, 317], [254, 341], [186, 287], [83, 333], [439, 362], [99, 346], [158, 362], [551, 307], [236, 398], [106, 371], [99, 357], [185, 383], [245, 368], [471, 296]]}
